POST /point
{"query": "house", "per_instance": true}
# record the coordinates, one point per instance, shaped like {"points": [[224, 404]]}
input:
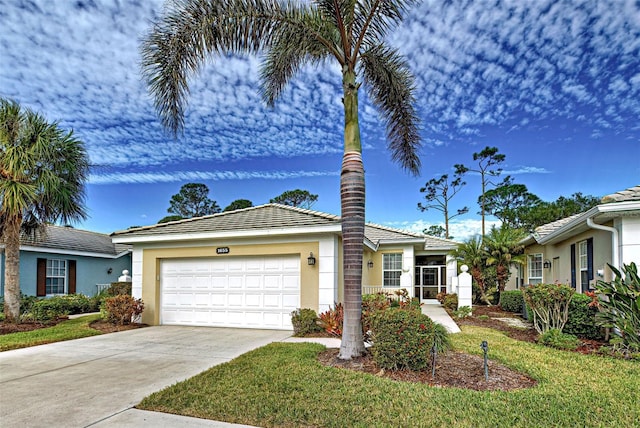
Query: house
{"points": [[64, 260], [578, 249], [252, 267]]}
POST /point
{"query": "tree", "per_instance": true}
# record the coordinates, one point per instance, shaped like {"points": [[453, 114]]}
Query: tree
{"points": [[296, 198], [239, 204], [437, 231], [43, 170], [510, 202], [473, 254], [438, 193], [192, 201], [290, 36], [486, 158], [547, 212], [168, 218], [504, 249]]}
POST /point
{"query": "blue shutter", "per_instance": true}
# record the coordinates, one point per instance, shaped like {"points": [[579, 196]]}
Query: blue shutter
{"points": [[590, 258], [573, 265]]}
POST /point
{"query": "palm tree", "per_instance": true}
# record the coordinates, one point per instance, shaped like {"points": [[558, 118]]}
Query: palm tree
{"points": [[292, 35], [472, 253], [504, 249], [43, 170]]}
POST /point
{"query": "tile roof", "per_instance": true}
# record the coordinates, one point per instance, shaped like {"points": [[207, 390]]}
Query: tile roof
{"points": [[630, 194], [546, 229], [70, 239]]}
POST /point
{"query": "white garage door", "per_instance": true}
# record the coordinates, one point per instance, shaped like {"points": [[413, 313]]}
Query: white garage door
{"points": [[249, 292]]}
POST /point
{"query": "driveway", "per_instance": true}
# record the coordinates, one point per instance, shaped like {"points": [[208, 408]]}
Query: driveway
{"points": [[96, 380]]}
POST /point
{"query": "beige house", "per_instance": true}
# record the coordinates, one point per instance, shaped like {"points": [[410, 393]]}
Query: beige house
{"points": [[250, 268], [577, 250]]}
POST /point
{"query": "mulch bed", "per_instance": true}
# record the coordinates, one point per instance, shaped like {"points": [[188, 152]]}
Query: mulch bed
{"points": [[103, 326]]}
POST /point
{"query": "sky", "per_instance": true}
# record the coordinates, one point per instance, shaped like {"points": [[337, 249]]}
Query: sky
{"points": [[554, 85]]}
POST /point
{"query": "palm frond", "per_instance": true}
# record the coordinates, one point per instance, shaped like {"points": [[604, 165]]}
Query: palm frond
{"points": [[390, 85], [375, 18]]}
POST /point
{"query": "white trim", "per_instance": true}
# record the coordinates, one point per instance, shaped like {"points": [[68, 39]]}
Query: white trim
{"points": [[226, 234]]}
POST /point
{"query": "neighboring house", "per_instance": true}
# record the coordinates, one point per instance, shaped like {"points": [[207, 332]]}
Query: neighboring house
{"points": [[64, 260], [577, 250], [252, 267]]}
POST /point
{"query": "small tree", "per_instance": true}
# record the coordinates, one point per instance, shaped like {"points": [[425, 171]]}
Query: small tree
{"points": [[508, 200], [296, 198], [549, 304], [193, 201], [438, 193], [487, 158], [473, 253], [504, 249], [239, 204]]}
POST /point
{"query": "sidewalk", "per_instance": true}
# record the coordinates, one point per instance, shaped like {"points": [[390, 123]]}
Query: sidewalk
{"points": [[437, 313]]}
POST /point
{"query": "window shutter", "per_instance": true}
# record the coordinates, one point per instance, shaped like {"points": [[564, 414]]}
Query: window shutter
{"points": [[41, 278], [72, 276], [590, 258], [573, 265]]}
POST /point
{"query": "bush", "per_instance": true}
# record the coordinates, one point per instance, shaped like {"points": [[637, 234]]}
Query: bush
{"points": [[305, 321], [440, 296], [78, 303], [582, 318], [512, 301], [118, 288], [451, 302], [620, 308], [331, 320], [555, 338], [549, 305], [46, 310], [462, 312], [121, 309], [403, 339]]}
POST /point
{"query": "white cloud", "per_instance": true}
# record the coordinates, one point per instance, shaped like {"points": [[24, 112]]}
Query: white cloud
{"points": [[460, 229]]}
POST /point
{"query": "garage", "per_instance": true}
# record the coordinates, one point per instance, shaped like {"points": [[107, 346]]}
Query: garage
{"points": [[247, 292]]}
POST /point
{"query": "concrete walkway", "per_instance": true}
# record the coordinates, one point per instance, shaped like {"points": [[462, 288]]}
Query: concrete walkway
{"points": [[437, 313]]}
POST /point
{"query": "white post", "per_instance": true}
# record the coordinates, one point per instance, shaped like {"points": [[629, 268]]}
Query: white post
{"points": [[464, 288], [124, 277]]}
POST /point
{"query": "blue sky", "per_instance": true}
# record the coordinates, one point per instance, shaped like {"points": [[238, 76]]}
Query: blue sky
{"points": [[555, 85]]}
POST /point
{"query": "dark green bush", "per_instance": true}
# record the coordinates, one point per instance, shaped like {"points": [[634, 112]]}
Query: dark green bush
{"points": [[403, 339], [451, 302], [121, 309], [512, 301], [555, 338], [304, 321], [118, 288], [78, 303], [582, 319], [49, 309]]}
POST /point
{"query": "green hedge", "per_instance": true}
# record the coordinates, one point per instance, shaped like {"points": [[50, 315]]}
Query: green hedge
{"points": [[582, 319], [512, 301]]}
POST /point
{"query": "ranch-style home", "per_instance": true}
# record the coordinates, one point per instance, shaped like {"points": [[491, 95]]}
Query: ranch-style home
{"points": [[252, 267], [578, 249], [64, 260]]}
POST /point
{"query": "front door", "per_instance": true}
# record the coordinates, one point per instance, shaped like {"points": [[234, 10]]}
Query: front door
{"points": [[427, 282]]}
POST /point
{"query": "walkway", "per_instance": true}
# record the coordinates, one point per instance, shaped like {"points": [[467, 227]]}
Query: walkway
{"points": [[437, 313]]}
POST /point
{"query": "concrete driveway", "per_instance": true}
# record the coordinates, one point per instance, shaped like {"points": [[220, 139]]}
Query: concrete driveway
{"points": [[97, 380]]}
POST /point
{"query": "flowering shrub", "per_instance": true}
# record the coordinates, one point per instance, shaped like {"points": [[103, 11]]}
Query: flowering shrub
{"points": [[549, 305], [121, 309]]}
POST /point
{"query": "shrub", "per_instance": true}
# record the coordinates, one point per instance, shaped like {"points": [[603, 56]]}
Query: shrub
{"points": [[440, 296], [582, 318], [451, 302], [403, 339], [121, 309], [49, 309], [305, 321], [118, 288], [555, 338], [78, 303], [331, 320], [462, 312], [620, 307], [512, 301], [549, 305]]}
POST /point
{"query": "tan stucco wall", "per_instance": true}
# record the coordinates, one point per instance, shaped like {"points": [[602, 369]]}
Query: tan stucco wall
{"points": [[151, 258], [562, 252]]}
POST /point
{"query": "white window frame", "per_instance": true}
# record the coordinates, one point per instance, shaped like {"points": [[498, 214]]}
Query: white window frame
{"points": [[535, 268], [391, 269], [583, 260], [56, 272]]}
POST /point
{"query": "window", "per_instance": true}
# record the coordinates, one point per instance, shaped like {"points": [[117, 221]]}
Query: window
{"points": [[391, 269], [535, 268], [582, 255], [56, 276]]}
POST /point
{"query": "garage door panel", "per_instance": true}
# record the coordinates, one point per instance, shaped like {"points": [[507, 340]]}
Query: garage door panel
{"points": [[250, 292]]}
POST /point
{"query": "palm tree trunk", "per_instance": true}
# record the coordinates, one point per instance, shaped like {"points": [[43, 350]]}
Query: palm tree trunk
{"points": [[352, 199], [12, 269]]}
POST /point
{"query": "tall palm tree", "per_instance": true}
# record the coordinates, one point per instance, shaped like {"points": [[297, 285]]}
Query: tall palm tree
{"points": [[472, 253], [43, 170], [291, 35], [504, 249]]}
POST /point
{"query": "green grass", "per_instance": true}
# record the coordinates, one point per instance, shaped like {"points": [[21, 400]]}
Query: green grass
{"points": [[283, 385], [66, 330]]}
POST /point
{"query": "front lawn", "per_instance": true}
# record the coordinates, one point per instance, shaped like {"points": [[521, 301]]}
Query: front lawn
{"points": [[283, 384], [66, 330]]}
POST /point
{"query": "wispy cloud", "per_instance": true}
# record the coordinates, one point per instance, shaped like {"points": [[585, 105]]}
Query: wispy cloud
{"points": [[460, 229], [526, 170]]}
